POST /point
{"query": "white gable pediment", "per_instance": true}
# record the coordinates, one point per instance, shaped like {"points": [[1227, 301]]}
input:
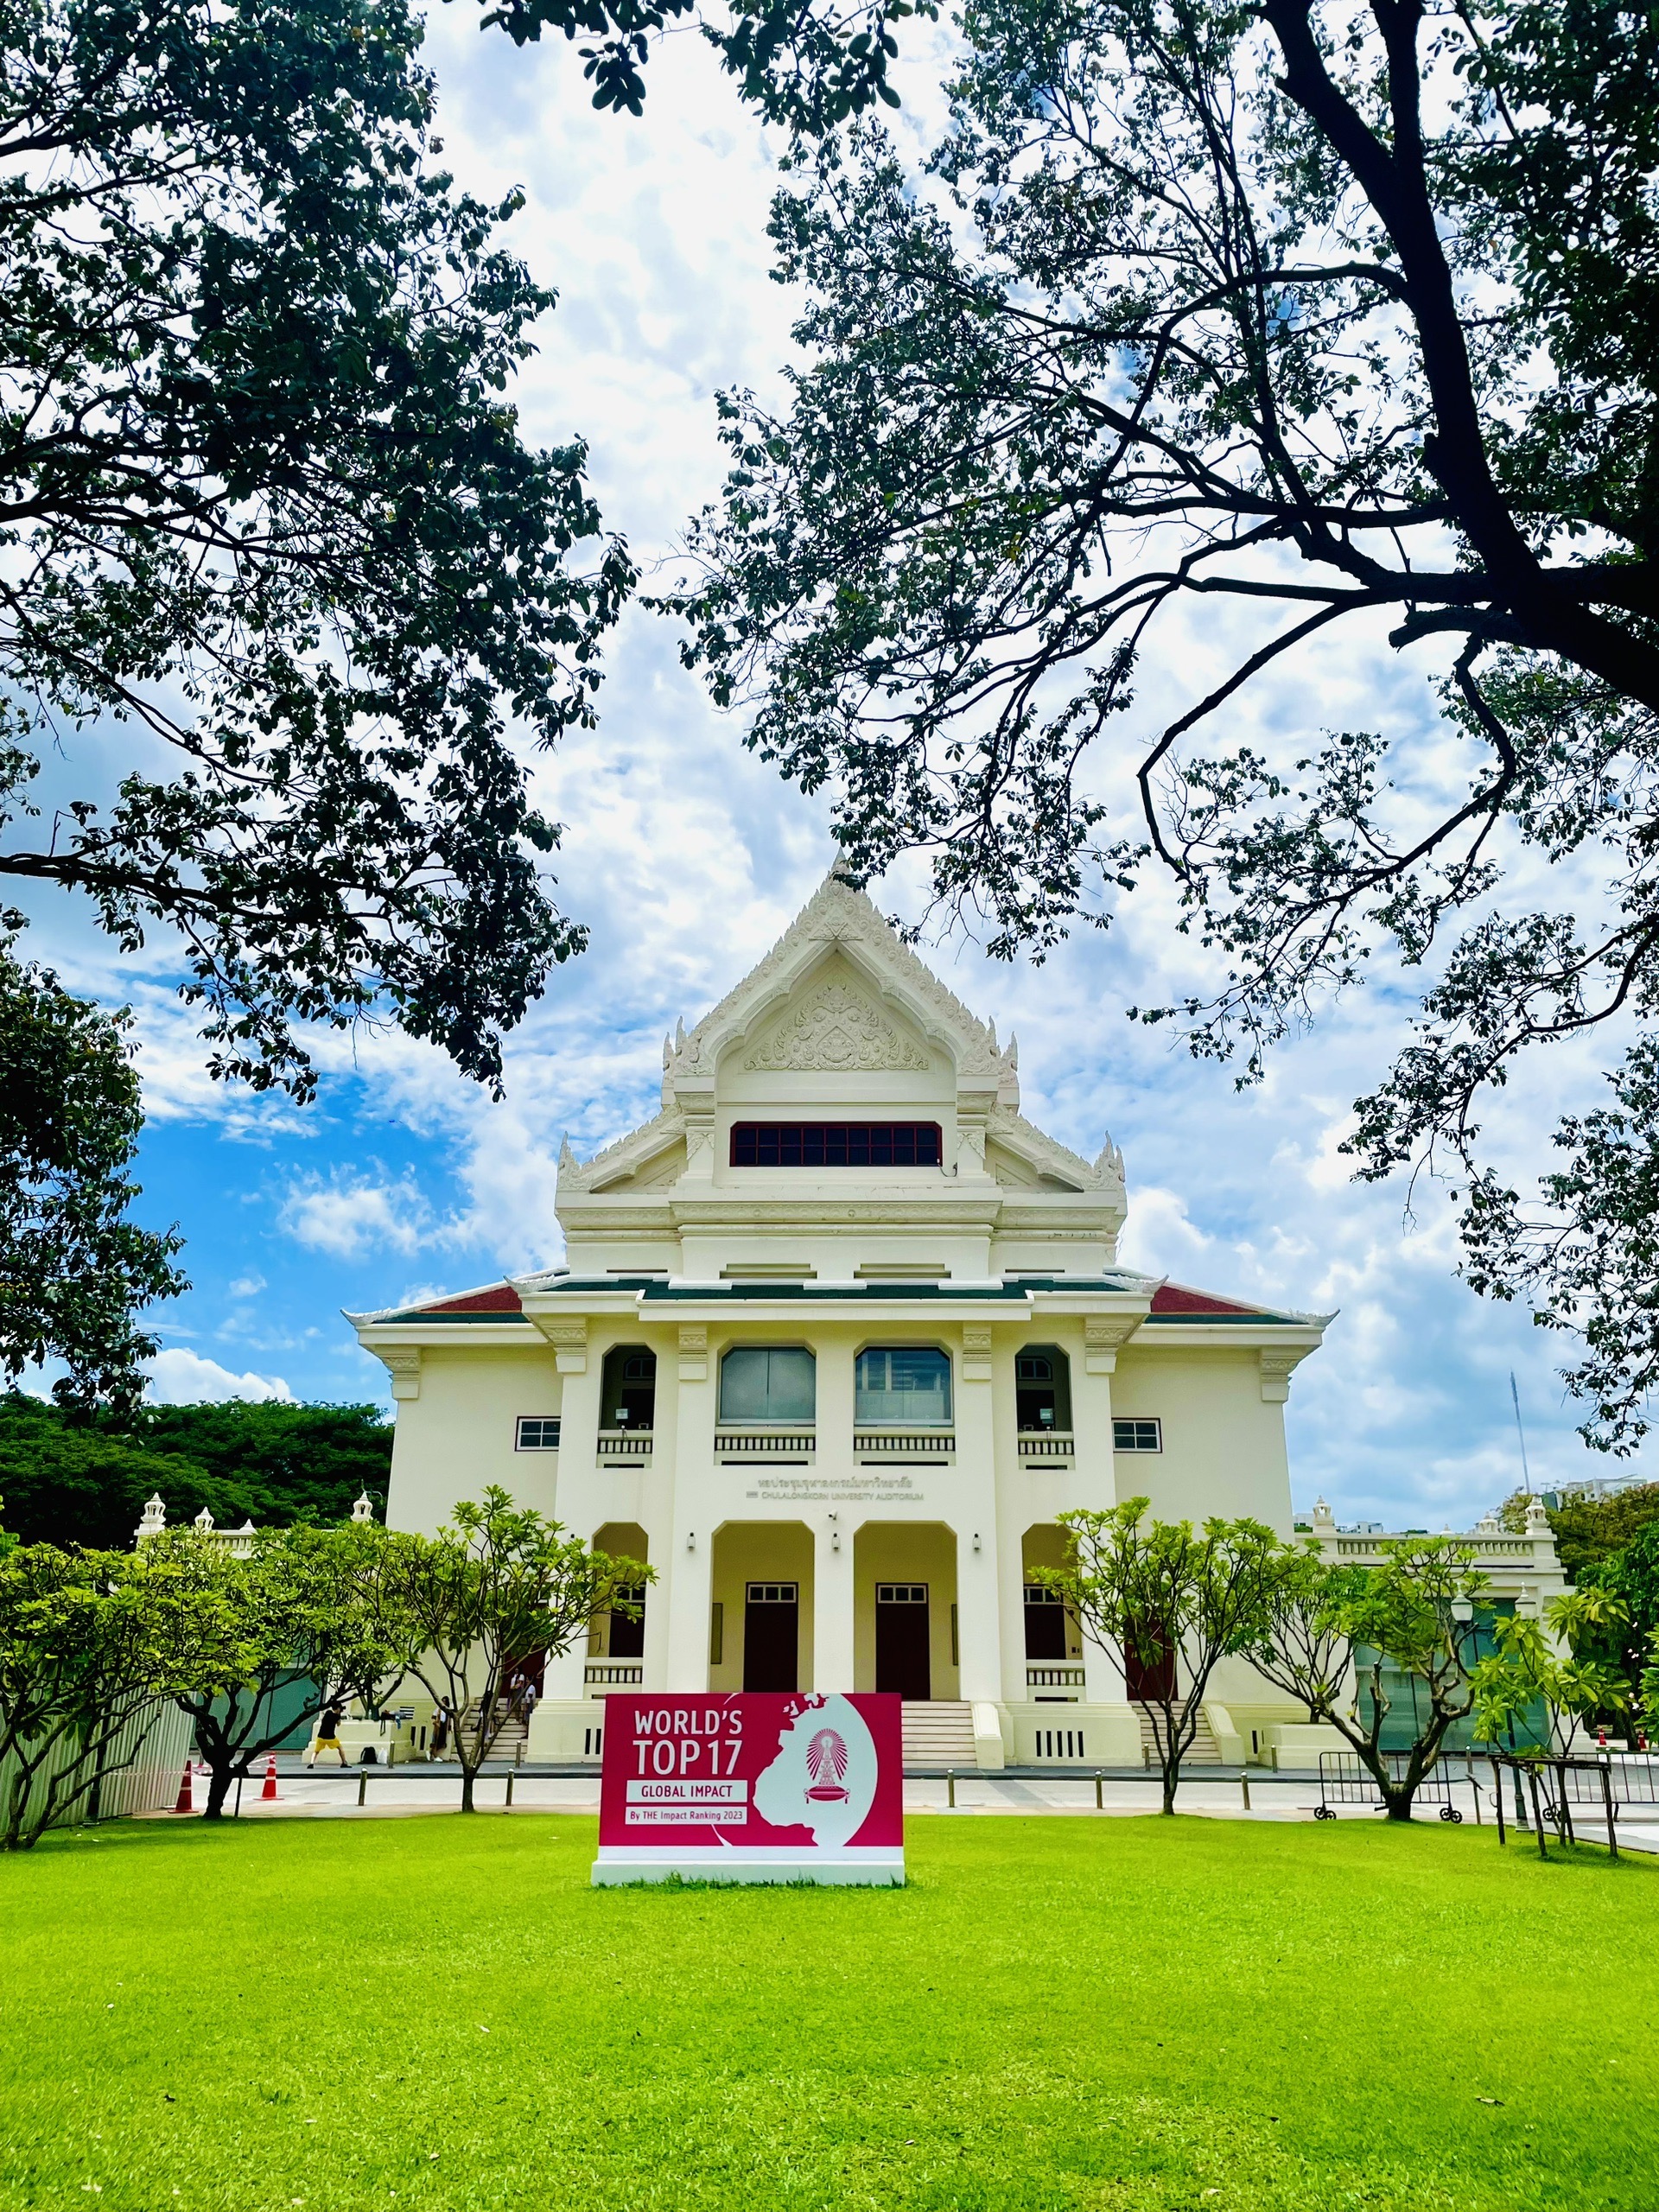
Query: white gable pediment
{"points": [[874, 966], [836, 1029]]}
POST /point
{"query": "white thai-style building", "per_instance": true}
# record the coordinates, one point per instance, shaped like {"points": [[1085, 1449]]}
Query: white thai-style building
{"points": [[839, 1336]]}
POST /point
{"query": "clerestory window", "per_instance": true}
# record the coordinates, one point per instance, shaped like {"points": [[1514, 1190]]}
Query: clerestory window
{"points": [[906, 1383], [836, 1144], [762, 1382]]}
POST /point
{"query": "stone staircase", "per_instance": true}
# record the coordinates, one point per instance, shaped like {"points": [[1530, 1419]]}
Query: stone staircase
{"points": [[938, 1734], [1204, 1752], [510, 1744]]}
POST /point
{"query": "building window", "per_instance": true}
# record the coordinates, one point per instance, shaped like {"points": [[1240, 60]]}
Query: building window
{"points": [[1045, 1622], [537, 1433], [905, 1383], [762, 1382], [628, 1391], [627, 1638], [1042, 1388], [1137, 1436], [836, 1144]]}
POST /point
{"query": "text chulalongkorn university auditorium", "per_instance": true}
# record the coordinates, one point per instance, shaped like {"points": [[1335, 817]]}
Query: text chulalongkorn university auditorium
{"points": [[839, 1336]]}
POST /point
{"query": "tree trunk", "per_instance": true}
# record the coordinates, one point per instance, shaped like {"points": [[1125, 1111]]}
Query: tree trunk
{"points": [[1172, 1783], [218, 1789], [1396, 1803], [467, 1776]]}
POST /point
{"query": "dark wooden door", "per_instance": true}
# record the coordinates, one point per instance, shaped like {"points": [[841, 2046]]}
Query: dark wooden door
{"points": [[1045, 1622], [771, 1636], [902, 1662], [1149, 1672]]}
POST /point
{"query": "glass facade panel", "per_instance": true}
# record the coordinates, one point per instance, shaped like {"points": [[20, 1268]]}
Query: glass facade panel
{"points": [[768, 1382], [904, 1383]]}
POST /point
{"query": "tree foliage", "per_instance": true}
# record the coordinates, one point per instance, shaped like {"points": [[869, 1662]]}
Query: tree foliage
{"points": [[497, 1586], [75, 1268], [88, 1642], [86, 1481], [1169, 1602], [1556, 1662], [1587, 1529], [808, 66], [267, 524], [299, 1603], [1626, 1637], [1332, 1632], [1305, 322]]}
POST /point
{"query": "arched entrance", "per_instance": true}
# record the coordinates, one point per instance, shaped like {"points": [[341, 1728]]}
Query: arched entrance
{"points": [[760, 1612], [619, 1638], [1053, 1640], [904, 1633]]}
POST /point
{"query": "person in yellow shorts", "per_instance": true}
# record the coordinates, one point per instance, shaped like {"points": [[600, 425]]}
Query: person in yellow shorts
{"points": [[328, 1736]]}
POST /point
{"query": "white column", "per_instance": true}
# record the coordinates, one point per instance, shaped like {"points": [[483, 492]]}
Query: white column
{"points": [[576, 1493], [978, 1631], [833, 1588], [1014, 1514], [688, 1571], [1095, 1471]]}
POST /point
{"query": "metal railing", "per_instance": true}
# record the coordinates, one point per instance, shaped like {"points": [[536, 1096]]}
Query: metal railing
{"points": [[1047, 1444], [624, 1444], [1054, 1678], [614, 1673], [799, 1441], [909, 1443]]}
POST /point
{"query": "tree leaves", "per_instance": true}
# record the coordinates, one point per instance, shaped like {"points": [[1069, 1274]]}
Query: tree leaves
{"points": [[262, 502]]}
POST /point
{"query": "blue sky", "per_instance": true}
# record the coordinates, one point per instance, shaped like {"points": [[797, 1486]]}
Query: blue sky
{"points": [[686, 857]]}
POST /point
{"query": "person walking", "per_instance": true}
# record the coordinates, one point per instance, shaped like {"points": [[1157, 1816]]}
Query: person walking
{"points": [[440, 1730], [527, 1704], [327, 1735]]}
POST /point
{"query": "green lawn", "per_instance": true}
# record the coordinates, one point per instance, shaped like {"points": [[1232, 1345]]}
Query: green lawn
{"points": [[1056, 2013]]}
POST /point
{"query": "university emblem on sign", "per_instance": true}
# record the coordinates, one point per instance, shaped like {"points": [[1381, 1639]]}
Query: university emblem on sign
{"points": [[826, 1762]]}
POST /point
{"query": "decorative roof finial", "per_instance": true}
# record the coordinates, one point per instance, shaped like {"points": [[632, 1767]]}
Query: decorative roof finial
{"points": [[363, 1509], [567, 1158]]}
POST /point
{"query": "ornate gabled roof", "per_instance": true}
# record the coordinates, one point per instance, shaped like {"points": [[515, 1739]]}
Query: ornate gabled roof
{"points": [[623, 1154], [837, 913], [1010, 1127]]}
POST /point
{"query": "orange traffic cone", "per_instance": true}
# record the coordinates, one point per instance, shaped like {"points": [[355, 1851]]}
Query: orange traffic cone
{"points": [[268, 1795], [184, 1804]]}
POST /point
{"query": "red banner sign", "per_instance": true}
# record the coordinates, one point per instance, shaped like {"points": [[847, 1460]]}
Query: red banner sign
{"points": [[752, 1785]]}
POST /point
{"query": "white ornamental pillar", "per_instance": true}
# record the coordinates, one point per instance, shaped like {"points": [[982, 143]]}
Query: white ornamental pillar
{"points": [[834, 1590], [686, 1576], [978, 1628]]}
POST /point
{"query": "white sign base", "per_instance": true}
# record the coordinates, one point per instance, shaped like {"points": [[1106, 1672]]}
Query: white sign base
{"points": [[880, 1868]]}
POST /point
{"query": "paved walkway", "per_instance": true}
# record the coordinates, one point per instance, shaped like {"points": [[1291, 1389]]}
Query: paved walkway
{"points": [[324, 1794]]}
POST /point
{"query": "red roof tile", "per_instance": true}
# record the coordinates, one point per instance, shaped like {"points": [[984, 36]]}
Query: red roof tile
{"points": [[1174, 1298], [503, 1298]]}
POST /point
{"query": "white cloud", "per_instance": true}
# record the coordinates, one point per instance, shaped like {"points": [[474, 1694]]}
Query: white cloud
{"points": [[246, 1287], [349, 1215], [179, 1377]]}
